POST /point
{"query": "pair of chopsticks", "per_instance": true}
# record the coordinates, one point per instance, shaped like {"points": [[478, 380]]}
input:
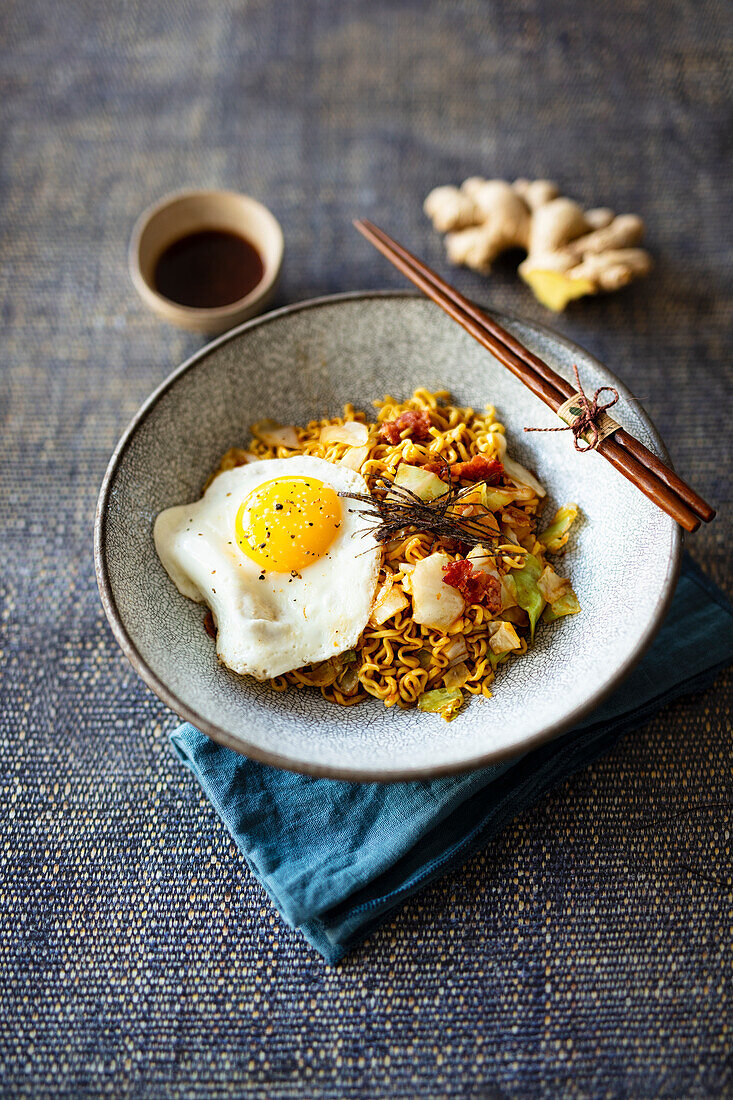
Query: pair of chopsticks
{"points": [[630, 457]]}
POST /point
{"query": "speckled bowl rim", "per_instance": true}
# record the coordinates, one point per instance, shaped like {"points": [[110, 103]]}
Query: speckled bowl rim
{"points": [[358, 775]]}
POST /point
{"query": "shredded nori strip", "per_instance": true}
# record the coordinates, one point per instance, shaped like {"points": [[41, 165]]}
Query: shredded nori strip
{"points": [[393, 511]]}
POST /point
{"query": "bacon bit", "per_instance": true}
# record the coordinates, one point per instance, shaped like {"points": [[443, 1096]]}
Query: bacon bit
{"points": [[478, 468], [210, 625], [437, 467], [417, 425], [476, 586]]}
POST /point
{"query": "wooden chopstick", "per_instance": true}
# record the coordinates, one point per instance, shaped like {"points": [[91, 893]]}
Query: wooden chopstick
{"points": [[540, 379]]}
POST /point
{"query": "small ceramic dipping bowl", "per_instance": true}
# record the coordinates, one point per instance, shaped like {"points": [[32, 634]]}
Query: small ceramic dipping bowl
{"points": [[188, 212]]}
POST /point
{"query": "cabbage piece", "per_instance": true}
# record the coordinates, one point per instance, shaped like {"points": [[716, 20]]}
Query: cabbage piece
{"points": [[518, 521], [516, 615], [522, 475], [488, 499], [496, 499], [523, 493], [487, 520], [457, 676], [551, 586], [273, 434], [423, 483], [348, 681], [498, 442], [472, 494], [479, 504], [445, 701], [390, 599], [434, 603], [425, 657], [498, 659], [508, 592], [354, 458], [503, 638], [556, 535], [407, 568], [529, 596], [456, 650], [235, 456], [353, 432], [325, 672], [566, 605]]}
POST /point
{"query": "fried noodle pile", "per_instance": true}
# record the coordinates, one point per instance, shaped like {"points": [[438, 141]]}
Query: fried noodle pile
{"points": [[400, 661]]}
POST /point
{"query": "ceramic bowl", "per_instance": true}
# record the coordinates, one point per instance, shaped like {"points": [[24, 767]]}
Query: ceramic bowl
{"points": [[185, 212], [306, 361]]}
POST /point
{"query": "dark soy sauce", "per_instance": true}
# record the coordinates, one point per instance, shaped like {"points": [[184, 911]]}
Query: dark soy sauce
{"points": [[209, 268]]}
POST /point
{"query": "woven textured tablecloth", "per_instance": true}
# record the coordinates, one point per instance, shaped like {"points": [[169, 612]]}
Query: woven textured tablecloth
{"points": [[586, 952]]}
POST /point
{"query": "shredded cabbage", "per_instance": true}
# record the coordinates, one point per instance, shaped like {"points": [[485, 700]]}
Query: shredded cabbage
{"points": [[529, 596], [445, 701], [556, 535]]}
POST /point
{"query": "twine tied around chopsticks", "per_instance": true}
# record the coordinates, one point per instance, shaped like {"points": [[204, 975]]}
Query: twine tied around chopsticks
{"points": [[585, 417]]}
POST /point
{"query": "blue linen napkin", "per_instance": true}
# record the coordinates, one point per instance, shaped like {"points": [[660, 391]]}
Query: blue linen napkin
{"points": [[336, 858]]}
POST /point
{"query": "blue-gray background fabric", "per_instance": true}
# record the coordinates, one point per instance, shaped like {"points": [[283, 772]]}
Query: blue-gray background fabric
{"points": [[587, 950]]}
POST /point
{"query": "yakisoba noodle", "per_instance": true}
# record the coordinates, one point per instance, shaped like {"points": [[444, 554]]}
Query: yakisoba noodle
{"points": [[400, 660]]}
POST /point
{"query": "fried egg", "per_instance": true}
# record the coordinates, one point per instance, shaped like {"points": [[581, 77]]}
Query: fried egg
{"points": [[281, 559]]}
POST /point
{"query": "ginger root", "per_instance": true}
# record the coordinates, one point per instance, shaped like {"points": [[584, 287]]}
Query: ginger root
{"points": [[571, 252]]}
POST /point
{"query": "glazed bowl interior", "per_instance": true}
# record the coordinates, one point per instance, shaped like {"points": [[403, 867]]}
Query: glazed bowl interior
{"points": [[307, 361]]}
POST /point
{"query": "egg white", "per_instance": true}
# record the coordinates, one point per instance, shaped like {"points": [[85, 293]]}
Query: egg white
{"points": [[271, 626]]}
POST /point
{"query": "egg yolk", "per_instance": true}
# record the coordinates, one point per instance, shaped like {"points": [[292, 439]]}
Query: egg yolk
{"points": [[287, 524]]}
